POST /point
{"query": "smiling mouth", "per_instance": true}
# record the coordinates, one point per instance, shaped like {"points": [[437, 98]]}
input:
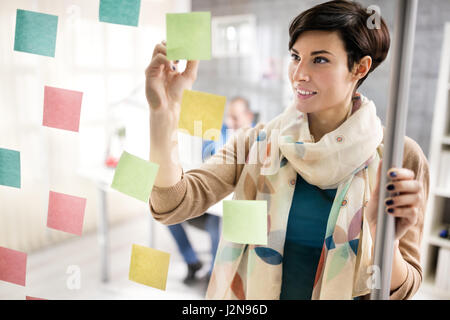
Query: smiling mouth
{"points": [[305, 93]]}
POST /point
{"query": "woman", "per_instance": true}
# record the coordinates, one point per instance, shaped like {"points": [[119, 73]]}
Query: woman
{"points": [[319, 171]]}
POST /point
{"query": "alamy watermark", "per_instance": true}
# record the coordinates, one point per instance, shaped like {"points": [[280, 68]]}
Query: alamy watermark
{"points": [[239, 149], [374, 21], [374, 281], [73, 282]]}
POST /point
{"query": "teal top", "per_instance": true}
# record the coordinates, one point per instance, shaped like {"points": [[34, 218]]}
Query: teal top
{"points": [[305, 236]]}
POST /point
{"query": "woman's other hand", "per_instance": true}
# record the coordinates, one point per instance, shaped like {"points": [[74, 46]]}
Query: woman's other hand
{"points": [[404, 201]]}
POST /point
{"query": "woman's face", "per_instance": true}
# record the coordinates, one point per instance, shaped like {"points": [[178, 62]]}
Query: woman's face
{"points": [[319, 64]]}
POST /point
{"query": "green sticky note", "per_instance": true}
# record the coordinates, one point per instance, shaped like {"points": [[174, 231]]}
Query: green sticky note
{"points": [[9, 168], [188, 36], [135, 176], [35, 33], [245, 221], [124, 12]]}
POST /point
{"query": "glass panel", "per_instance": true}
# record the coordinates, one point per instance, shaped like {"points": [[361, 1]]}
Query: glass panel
{"points": [[93, 106], [30, 99], [89, 44], [119, 46]]}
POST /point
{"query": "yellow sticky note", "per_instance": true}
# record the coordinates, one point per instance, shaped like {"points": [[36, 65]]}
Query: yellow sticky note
{"points": [[149, 266], [201, 114]]}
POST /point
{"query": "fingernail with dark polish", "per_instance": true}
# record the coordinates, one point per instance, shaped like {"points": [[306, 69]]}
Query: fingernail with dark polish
{"points": [[390, 187], [390, 210], [393, 174], [389, 202]]}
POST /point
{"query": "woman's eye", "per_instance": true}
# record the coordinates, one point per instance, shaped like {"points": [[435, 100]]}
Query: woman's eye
{"points": [[321, 58]]}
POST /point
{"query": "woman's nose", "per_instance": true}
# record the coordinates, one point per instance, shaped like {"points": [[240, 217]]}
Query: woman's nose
{"points": [[300, 73]]}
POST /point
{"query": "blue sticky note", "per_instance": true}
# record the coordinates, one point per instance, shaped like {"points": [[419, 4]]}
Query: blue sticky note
{"points": [[9, 168], [35, 33], [124, 12]]}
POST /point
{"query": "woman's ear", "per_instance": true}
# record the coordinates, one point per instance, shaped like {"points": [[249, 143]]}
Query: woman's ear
{"points": [[362, 67]]}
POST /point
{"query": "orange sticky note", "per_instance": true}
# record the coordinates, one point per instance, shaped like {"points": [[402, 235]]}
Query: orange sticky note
{"points": [[13, 266], [66, 212], [62, 108]]}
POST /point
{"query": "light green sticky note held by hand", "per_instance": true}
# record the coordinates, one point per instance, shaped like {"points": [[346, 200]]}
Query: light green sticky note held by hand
{"points": [[149, 266], [135, 176], [125, 12], [9, 168], [245, 221], [35, 33], [201, 114], [188, 36]]}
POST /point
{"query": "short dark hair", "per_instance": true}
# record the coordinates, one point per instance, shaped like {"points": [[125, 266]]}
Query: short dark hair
{"points": [[243, 100], [349, 19]]}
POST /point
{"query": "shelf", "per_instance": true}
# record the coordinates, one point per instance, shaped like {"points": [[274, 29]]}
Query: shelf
{"points": [[442, 193], [440, 142], [446, 140], [428, 286], [438, 241]]}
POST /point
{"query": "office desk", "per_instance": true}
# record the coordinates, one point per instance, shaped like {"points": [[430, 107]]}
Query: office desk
{"points": [[102, 177]]}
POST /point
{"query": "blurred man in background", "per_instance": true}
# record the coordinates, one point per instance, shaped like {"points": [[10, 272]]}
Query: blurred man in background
{"points": [[238, 114]]}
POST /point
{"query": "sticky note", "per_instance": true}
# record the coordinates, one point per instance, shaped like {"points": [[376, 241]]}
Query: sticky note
{"points": [[134, 176], [188, 36], [149, 266], [13, 266], [33, 298], [35, 32], [66, 212], [124, 12], [9, 168], [62, 108], [245, 221], [201, 112]]}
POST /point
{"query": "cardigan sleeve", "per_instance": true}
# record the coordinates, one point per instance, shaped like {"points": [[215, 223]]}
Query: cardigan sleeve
{"points": [[409, 244], [203, 187]]}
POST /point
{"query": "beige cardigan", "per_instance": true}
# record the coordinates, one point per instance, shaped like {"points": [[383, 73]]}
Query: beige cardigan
{"points": [[201, 188]]}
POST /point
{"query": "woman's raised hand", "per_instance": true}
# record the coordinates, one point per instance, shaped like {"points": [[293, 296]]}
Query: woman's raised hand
{"points": [[164, 88], [165, 85]]}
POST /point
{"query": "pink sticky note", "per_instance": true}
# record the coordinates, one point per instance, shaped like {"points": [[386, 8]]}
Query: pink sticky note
{"points": [[13, 266], [66, 212], [62, 108], [33, 298]]}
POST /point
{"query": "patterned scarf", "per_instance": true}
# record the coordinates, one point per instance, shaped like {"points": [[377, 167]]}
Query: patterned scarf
{"points": [[346, 159]]}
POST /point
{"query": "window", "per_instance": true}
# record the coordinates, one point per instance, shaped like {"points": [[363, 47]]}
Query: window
{"points": [[233, 36]]}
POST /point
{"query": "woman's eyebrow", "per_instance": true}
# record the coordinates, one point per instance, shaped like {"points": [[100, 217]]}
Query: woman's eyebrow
{"points": [[321, 52], [313, 53]]}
